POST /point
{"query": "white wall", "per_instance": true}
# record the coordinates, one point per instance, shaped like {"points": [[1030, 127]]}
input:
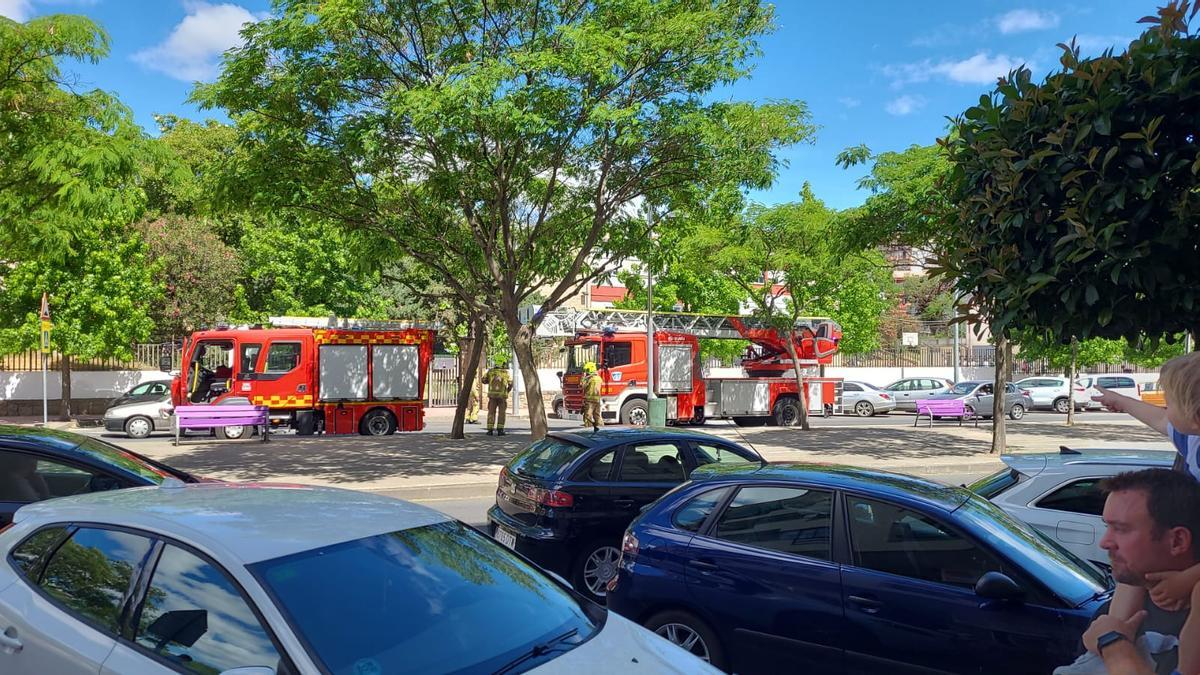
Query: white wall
{"points": [[27, 385]]}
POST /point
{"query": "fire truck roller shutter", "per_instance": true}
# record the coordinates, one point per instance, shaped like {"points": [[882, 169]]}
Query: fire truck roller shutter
{"points": [[343, 370], [395, 372]]}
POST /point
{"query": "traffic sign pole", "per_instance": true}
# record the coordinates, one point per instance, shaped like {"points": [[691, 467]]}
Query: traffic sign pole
{"points": [[45, 349]]}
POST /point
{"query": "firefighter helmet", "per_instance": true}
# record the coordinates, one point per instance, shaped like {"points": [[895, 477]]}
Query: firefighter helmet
{"points": [[589, 368]]}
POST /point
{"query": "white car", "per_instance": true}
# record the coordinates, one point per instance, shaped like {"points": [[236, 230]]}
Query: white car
{"points": [[1122, 384], [1051, 393], [1059, 493], [247, 579]]}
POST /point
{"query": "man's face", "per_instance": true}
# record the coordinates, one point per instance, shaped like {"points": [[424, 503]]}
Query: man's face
{"points": [[1133, 549]]}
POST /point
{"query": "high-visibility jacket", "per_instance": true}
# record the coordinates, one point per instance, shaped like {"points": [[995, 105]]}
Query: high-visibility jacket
{"points": [[591, 387], [499, 382]]}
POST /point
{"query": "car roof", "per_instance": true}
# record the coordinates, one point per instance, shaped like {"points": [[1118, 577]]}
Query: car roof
{"points": [[251, 522], [1074, 459], [884, 484], [53, 439], [86, 449], [608, 436]]}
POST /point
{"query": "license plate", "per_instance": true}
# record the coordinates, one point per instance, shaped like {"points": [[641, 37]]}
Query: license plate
{"points": [[507, 538], [574, 417]]}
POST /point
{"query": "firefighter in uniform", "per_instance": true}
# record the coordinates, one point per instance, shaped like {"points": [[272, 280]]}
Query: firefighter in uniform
{"points": [[472, 416], [499, 383], [591, 397]]}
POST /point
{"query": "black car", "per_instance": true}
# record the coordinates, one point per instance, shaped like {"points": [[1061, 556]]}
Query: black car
{"points": [[37, 464], [565, 501], [147, 391]]}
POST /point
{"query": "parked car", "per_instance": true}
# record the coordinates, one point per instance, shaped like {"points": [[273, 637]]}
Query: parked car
{"points": [[848, 570], [1154, 395], [908, 391], [37, 464], [565, 500], [288, 579], [141, 418], [1059, 493], [865, 400], [979, 396], [146, 391], [1122, 384], [1052, 393]]}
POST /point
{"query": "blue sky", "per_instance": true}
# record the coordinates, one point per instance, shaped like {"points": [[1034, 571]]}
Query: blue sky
{"points": [[880, 72]]}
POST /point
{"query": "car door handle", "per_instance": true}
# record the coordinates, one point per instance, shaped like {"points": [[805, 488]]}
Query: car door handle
{"points": [[623, 503], [706, 565], [868, 605], [9, 644]]}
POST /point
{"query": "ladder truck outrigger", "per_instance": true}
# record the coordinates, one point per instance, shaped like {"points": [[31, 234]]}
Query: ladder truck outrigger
{"points": [[616, 341]]}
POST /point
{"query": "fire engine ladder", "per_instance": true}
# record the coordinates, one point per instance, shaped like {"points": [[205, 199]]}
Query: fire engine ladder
{"points": [[568, 322], [336, 323]]}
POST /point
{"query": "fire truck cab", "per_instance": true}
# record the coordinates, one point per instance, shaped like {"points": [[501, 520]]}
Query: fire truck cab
{"points": [[312, 379]]}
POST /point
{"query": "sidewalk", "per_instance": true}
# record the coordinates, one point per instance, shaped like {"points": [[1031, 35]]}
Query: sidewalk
{"points": [[433, 466]]}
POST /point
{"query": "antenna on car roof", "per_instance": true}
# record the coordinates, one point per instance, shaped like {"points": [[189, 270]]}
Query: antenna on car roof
{"points": [[1064, 450]]}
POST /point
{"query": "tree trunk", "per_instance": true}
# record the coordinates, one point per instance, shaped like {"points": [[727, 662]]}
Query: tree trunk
{"points": [[521, 337], [1071, 381], [468, 375], [1003, 356], [799, 384], [64, 411]]}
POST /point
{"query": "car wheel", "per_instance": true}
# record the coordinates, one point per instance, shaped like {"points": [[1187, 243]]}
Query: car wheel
{"points": [[138, 427], [595, 566], [864, 409], [786, 413], [560, 409], [377, 423], [232, 433], [635, 413], [1062, 406], [690, 634], [1017, 412], [968, 412]]}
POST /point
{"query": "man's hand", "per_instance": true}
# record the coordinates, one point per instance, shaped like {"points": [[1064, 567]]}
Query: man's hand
{"points": [[1171, 591], [1112, 400], [1107, 622]]}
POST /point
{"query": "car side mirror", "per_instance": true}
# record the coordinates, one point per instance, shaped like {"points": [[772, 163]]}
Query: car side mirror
{"points": [[998, 586], [164, 363]]}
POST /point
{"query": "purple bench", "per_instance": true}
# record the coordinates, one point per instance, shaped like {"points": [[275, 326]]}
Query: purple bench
{"points": [[936, 408], [213, 416]]}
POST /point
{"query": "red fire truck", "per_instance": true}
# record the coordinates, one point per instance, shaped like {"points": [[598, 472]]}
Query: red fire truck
{"points": [[338, 376], [616, 342]]}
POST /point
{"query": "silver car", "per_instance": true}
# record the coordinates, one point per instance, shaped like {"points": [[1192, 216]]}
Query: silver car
{"points": [[908, 391], [979, 397], [139, 420], [865, 400], [1051, 393]]}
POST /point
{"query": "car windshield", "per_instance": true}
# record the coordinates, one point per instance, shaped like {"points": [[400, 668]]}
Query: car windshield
{"points": [[579, 354], [545, 458], [1065, 574], [867, 385], [996, 483], [963, 388], [435, 599], [129, 461]]}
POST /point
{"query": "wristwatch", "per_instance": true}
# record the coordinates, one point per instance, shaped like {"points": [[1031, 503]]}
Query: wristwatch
{"points": [[1109, 638]]}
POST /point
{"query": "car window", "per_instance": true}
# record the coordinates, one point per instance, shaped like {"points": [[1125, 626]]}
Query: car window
{"points": [[1084, 382], [711, 453], [849, 386], [140, 389], [601, 467], [28, 553], [1010, 388], [196, 617], [986, 389], [26, 478], [440, 598], [545, 458], [1116, 382], [90, 573], [652, 462], [119, 458], [618, 354], [930, 384], [1081, 496], [963, 388], [892, 539], [249, 358], [282, 357], [791, 520], [158, 389], [902, 385], [695, 511]]}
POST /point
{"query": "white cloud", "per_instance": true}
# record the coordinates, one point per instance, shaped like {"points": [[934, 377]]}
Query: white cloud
{"points": [[191, 52], [17, 10], [1022, 20], [849, 101], [905, 105], [978, 69]]}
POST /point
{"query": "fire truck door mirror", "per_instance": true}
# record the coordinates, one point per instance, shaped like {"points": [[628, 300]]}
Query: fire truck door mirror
{"points": [[165, 363]]}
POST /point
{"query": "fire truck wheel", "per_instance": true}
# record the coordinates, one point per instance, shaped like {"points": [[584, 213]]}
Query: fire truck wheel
{"points": [[635, 413], [232, 433], [378, 422], [786, 413]]}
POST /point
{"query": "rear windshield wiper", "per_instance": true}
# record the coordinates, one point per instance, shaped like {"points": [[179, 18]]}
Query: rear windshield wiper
{"points": [[541, 649]]}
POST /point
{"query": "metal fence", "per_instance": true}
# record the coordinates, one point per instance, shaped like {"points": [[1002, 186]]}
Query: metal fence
{"points": [[144, 357]]}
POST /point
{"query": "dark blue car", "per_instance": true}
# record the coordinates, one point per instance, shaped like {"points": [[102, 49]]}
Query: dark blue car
{"points": [[814, 568]]}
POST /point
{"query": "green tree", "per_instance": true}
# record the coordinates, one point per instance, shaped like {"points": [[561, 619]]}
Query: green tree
{"points": [[67, 156], [508, 142], [199, 274], [100, 295]]}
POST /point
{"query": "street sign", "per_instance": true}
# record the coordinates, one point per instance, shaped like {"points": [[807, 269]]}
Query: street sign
{"points": [[45, 342], [908, 339]]}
